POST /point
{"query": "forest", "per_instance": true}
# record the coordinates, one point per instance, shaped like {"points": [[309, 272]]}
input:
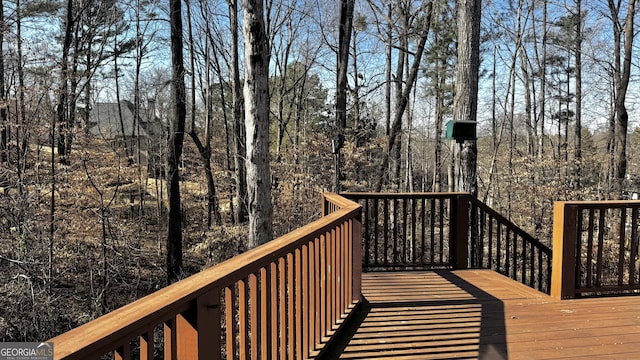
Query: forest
{"points": [[109, 107]]}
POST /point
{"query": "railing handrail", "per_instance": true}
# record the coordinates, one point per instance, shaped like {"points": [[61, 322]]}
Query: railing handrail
{"points": [[587, 204], [125, 323], [402, 195]]}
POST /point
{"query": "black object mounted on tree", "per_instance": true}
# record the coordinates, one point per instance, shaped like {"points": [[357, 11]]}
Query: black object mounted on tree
{"points": [[461, 130]]}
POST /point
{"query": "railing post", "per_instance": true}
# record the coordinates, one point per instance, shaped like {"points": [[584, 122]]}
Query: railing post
{"points": [[563, 273], [323, 204], [459, 231], [195, 334]]}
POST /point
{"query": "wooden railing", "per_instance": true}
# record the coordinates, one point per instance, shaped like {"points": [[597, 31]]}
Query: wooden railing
{"points": [[506, 248], [289, 297], [285, 299], [448, 230], [406, 231], [596, 246]]}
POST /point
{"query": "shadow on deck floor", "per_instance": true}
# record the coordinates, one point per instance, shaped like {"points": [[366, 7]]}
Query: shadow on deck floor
{"points": [[423, 315]]}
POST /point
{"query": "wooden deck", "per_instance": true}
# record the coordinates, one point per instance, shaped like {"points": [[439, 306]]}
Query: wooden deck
{"points": [[482, 314]]}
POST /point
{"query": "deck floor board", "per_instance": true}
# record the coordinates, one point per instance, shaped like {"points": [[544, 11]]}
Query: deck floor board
{"points": [[482, 314]]}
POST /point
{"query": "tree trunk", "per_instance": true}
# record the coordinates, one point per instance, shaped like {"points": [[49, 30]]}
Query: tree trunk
{"points": [[256, 96], [174, 151], [238, 120], [357, 124], [542, 64], [344, 41], [622, 75], [204, 147], [465, 103], [466, 97], [388, 59], [63, 101], [439, 119], [4, 132], [578, 80]]}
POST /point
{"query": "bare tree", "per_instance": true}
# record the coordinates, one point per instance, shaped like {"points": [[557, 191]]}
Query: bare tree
{"points": [[203, 145], [176, 139], [621, 75], [465, 102], [239, 143], [4, 132], [256, 97], [402, 99], [344, 41], [63, 92]]}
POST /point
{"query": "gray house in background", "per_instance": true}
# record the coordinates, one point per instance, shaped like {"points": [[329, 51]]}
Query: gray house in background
{"points": [[117, 126]]}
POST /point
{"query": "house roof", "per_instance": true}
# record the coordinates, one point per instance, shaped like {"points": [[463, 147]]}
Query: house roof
{"points": [[104, 121]]}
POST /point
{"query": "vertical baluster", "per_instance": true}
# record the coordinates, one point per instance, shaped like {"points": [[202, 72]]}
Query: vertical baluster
{"points": [[483, 224], [243, 333], [524, 259], [621, 244], [589, 246], [548, 271], [170, 352], [540, 278], [282, 307], [394, 234], [442, 227], [423, 229], [298, 302], [146, 345], [343, 255], [313, 307], [472, 243], [405, 237], [376, 246], [339, 261], [254, 316], [413, 232], [290, 306], [340, 252], [317, 285], [323, 286], [499, 247], [532, 262], [335, 258], [634, 246], [490, 252], [516, 252], [273, 293], [331, 281], [433, 231], [515, 255], [579, 225], [230, 321], [265, 311], [355, 256], [385, 231], [507, 260], [601, 226], [367, 245], [305, 300]]}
